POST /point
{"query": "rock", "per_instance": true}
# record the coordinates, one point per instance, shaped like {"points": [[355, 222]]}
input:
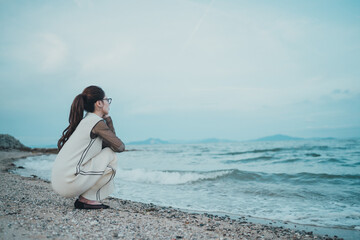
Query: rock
{"points": [[8, 142]]}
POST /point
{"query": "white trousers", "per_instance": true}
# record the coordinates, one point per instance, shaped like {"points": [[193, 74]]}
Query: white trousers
{"points": [[95, 180]]}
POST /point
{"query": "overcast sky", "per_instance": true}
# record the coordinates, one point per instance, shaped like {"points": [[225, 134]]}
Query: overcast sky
{"points": [[183, 69]]}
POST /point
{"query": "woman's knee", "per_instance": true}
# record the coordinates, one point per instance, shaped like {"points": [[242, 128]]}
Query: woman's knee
{"points": [[109, 151], [110, 154]]}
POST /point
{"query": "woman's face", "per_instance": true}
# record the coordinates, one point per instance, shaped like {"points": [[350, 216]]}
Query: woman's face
{"points": [[106, 106], [103, 106]]}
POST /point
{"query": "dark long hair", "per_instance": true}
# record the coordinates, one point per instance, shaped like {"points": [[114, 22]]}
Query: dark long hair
{"points": [[84, 101]]}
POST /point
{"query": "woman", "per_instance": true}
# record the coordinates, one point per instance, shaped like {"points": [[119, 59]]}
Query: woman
{"points": [[86, 163]]}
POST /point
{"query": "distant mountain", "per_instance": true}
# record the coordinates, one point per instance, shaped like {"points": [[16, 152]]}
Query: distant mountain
{"points": [[214, 140], [278, 137], [149, 141]]}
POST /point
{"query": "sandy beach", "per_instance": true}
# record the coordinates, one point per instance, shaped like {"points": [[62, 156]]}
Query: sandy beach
{"points": [[31, 210]]}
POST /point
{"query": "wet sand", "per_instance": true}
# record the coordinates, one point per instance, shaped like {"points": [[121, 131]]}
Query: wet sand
{"points": [[31, 210]]}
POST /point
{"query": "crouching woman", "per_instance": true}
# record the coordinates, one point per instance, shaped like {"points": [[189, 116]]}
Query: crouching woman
{"points": [[86, 163]]}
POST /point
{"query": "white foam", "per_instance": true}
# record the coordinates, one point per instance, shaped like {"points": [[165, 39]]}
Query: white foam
{"points": [[166, 177], [37, 164]]}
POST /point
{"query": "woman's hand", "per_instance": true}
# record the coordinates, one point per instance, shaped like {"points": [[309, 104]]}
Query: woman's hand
{"points": [[106, 116]]}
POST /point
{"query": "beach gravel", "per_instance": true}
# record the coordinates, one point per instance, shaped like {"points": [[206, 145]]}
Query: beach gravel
{"points": [[31, 210]]}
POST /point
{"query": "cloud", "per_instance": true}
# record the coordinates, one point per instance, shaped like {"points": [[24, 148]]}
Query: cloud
{"points": [[52, 52], [109, 60], [341, 92], [210, 99], [42, 52], [272, 64]]}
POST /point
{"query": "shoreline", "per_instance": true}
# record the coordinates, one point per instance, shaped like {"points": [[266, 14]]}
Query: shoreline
{"points": [[340, 232], [31, 210]]}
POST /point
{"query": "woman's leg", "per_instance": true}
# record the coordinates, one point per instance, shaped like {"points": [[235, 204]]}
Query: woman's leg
{"points": [[100, 185]]}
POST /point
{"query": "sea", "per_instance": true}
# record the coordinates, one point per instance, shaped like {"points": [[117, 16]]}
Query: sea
{"points": [[304, 182]]}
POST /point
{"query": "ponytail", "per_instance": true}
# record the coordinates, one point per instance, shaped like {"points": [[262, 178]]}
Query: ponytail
{"points": [[76, 115], [84, 101]]}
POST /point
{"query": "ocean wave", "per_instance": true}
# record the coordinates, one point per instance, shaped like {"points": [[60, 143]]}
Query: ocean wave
{"points": [[333, 160], [38, 163], [275, 160], [247, 160], [191, 177], [312, 154], [254, 151], [168, 177], [290, 160], [292, 149], [299, 178]]}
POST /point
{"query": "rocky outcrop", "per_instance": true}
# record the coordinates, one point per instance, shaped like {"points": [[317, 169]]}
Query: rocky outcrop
{"points": [[8, 142]]}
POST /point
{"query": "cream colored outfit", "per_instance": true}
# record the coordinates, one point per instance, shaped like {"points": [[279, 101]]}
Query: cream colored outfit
{"points": [[83, 167]]}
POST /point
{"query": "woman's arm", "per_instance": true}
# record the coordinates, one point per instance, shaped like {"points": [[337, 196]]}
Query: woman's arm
{"points": [[110, 123], [107, 132]]}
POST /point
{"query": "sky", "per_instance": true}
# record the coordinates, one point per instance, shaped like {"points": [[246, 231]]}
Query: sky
{"points": [[183, 69]]}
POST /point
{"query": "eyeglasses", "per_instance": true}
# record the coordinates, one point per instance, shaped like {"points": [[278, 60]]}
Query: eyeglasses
{"points": [[108, 99]]}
